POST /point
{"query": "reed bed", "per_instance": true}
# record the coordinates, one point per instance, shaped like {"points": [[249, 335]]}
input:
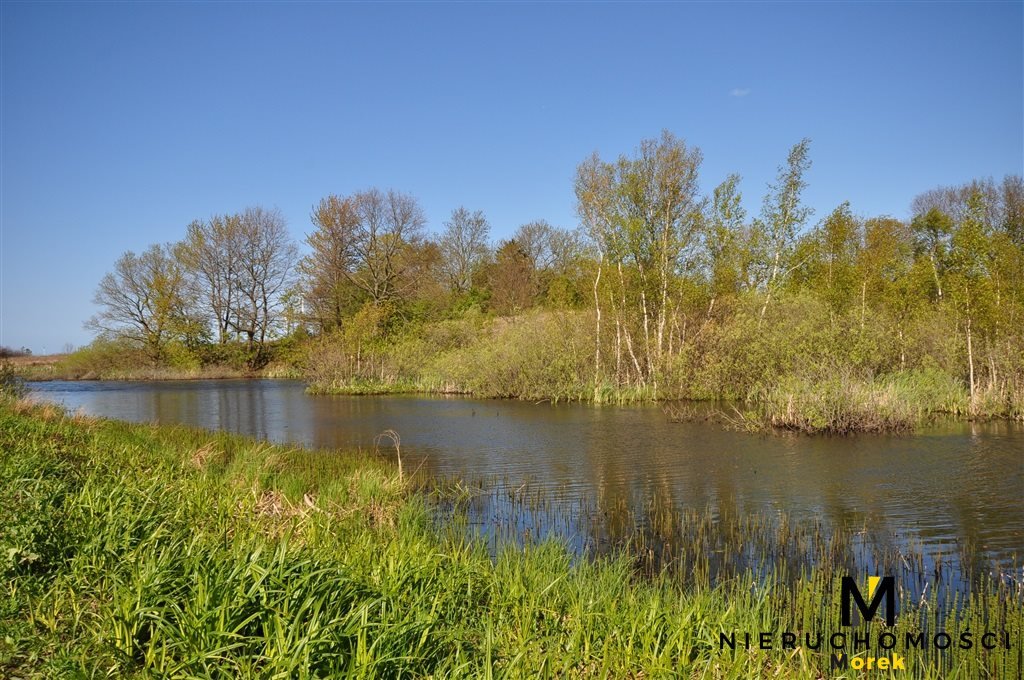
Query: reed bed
{"points": [[840, 402], [144, 551]]}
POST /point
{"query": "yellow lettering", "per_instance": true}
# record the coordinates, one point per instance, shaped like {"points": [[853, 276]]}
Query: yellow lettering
{"points": [[897, 663], [883, 663], [857, 663]]}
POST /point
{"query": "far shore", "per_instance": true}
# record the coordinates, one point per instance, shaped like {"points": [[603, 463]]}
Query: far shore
{"points": [[42, 368]]}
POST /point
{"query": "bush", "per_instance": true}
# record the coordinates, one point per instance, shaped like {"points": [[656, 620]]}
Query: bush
{"points": [[11, 384], [103, 357], [535, 356]]}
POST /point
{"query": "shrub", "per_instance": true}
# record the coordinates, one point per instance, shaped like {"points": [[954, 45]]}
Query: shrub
{"points": [[11, 384]]}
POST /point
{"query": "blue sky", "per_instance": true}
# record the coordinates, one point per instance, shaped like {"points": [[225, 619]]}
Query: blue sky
{"points": [[123, 122]]}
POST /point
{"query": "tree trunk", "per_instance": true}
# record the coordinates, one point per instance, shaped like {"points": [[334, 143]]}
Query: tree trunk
{"points": [[643, 306], [632, 355], [970, 358], [618, 350], [863, 303], [597, 328], [935, 273], [771, 287]]}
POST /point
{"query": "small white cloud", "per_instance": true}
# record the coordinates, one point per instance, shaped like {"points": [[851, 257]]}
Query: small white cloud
{"points": [[740, 92]]}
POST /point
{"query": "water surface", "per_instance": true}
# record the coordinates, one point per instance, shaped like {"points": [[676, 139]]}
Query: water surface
{"points": [[943, 490]]}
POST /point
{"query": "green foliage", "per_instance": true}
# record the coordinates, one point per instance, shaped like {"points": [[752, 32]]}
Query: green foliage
{"points": [[109, 358], [661, 293], [537, 356], [103, 357], [180, 357]]}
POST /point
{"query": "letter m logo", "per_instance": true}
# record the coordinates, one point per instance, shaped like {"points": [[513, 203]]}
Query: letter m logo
{"points": [[877, 589]]}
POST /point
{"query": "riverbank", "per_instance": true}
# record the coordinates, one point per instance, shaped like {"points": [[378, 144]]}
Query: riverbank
{"points": [[839, 405], [85, 365], [843, 405], [133, 550], [802, 369]]}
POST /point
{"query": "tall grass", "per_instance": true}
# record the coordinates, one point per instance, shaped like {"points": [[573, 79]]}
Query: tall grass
{"points": [[842, 403], [144, 551]]}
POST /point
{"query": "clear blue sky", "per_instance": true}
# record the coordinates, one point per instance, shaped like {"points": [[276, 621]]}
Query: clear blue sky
{"points": [[123, 122]]}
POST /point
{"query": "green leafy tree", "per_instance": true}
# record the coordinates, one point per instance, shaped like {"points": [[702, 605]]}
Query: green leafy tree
{"points": [[144, 300], [782, 217], [969, 280], [724, 239], [325, 271], [644, 214], [883, 269], [932, 232], [828, 258]]}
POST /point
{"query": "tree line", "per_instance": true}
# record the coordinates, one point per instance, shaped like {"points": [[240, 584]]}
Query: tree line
{"points": [[226, 281], [652, 265]]}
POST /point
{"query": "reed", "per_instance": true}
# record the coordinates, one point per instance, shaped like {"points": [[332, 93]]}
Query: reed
{"points": [[841, 402]]}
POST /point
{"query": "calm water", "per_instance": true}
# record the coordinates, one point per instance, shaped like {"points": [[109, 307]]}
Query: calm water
{"points": [[959, 484]]}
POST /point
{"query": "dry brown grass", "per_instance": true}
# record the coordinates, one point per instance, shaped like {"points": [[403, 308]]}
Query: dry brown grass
{"points": [[273, 503], [43, 410], [202, 456], [36, 360]]}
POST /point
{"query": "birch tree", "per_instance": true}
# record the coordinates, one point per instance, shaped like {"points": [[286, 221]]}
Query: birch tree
{"points": [[644, 212], [783, 216]]}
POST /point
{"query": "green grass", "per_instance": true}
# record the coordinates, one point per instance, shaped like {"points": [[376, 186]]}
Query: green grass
{"points": [[143, 551]]}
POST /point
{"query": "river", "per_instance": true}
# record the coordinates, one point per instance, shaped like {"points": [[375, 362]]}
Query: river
{"points": [[949, 486]]}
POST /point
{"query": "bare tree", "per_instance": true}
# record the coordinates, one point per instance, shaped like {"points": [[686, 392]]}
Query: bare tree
{"points": [[326, 270], [954, 201], [266, 258], [553, 252], [210, 253], [1012, 199], [389, 224], [464, 247], [537, 240]]}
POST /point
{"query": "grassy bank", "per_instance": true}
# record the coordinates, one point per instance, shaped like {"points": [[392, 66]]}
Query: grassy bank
{"points": [[141, 551]]}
